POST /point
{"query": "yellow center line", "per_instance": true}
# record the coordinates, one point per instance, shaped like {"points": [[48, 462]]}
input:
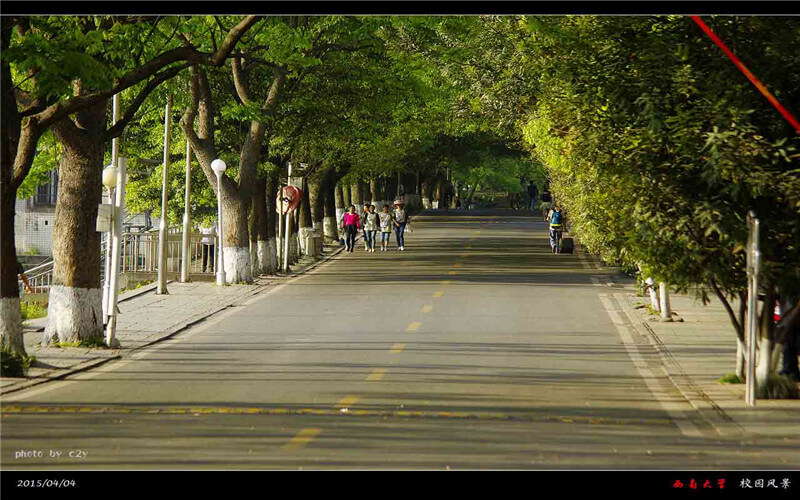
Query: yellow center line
{"points": [[397, 348], [445, 282], [302, 438], [453, 273], [413, 327], [377, 374], [347, 401], [426, 309], [436, 295]]}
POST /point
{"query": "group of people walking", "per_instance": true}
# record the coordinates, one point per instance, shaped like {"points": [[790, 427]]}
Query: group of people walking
{"points": [[372, 222]]}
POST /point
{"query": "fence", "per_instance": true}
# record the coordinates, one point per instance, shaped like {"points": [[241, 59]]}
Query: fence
{"points": [[139, 254]]}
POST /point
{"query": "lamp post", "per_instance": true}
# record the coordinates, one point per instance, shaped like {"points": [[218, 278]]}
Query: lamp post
{"points": [[119, 206], [185, 239], [218, 166], [288, 232], [162, 230], [109, 181]]}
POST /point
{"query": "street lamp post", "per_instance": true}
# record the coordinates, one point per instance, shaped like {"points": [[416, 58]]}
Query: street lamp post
{"points": [[185, 239], [218, 166], [119, 206], [288, 232], [162, 230], [753, 267], [109, 181]]}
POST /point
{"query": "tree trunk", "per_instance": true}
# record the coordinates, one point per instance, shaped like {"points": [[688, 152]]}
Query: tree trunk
{"points": [[426, 192], [316, 198], [272, 225], [341, 203], [330, 214], [75, 302], [10, 314], [766, 344], [375, 197], [655, 303], [236, 244], [666, 310], [355, 195], [235, 197], [259, 241], [346, 196], [305, 222]]}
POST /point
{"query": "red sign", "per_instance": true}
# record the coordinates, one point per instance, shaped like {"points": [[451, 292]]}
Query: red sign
{"points": [[290, 196]]}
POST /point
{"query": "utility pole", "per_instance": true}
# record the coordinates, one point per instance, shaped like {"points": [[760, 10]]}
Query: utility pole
{"points": [[288, 232], [162, 230], [114, 160], [186, 239]]}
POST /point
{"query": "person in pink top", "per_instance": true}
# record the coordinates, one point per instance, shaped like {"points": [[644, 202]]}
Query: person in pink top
{"points": [[351, 224]]}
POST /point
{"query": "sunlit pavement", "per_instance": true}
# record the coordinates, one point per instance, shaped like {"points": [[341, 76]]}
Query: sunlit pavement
{"points": [[474, 348]]}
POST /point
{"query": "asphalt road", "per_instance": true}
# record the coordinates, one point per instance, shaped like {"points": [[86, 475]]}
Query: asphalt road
{"points": [[474, 348]]}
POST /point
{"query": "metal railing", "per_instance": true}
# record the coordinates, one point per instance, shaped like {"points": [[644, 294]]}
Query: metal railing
{"points": [[139, 254]]}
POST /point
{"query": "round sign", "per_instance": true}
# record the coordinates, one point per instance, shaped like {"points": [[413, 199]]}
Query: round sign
{"points": [[290, 197]]}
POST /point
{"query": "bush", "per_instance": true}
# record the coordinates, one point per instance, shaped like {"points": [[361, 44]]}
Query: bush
{"points": [[33, 310], [731, 378], [14, 365], [778, 387]]}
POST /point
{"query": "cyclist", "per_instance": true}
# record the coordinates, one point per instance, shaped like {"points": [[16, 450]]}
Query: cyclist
{"points": [[556, 219]]}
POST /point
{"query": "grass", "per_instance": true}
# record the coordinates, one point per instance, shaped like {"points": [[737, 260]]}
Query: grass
{"points": [[731, 378], [90, 342], [652, 310], [33, 310], [14, 365]]}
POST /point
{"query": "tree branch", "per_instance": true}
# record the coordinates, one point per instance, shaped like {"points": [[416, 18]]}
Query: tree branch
{"points": [[117, 129], [67, 107]]}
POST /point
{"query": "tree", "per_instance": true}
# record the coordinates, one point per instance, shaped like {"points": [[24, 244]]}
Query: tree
{"points": [[56, 70]]}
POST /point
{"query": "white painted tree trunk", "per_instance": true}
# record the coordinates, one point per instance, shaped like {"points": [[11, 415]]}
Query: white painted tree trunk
{"points": [[238, 267], [339, 215], [764, 365], [263, 257], [426, 203], [73, 313], [329, 228], [654, 302], [666, 311], [11, 324], [741, 351], [294, 248], [273, 255], [254, 262], [302, 236]]}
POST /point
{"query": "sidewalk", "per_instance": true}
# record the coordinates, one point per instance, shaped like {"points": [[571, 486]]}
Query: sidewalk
{"points": [[699, 351], [146, 318]]}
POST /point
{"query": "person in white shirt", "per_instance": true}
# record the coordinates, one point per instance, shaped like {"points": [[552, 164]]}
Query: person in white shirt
{"points": [[209, 234], [400, 221]]}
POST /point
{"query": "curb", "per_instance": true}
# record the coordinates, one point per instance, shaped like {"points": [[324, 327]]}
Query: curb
{"points": [[58, 374], [708, 409]]}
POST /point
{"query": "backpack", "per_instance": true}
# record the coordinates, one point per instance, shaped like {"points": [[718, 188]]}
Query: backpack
{"points": [[556, 218]]}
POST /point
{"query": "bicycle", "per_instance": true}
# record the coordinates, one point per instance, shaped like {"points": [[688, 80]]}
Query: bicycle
{"points": [[557, 235]]}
